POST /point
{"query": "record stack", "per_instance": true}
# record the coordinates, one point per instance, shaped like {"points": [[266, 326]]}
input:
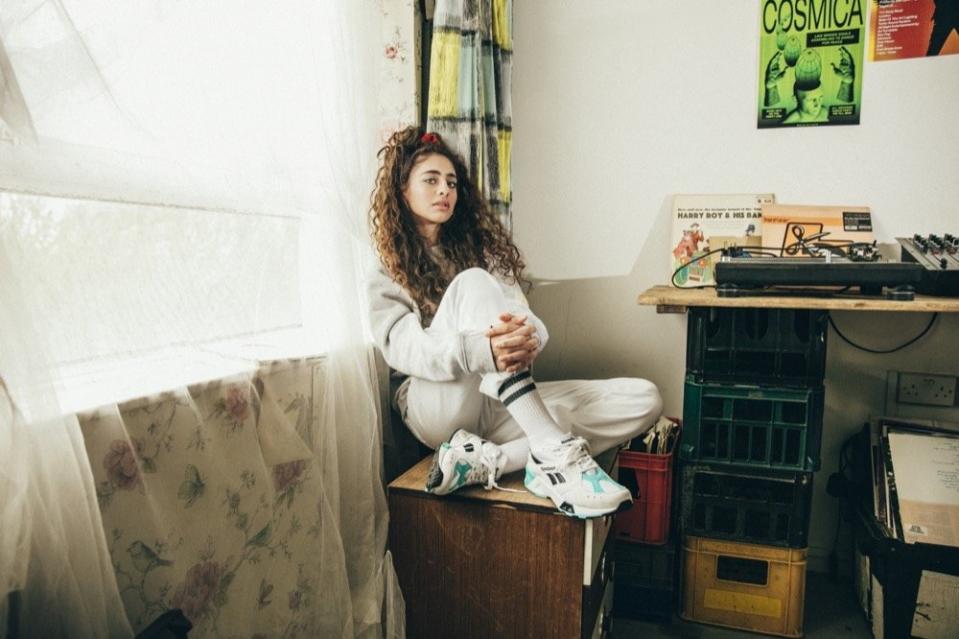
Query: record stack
{"points": [[752, 427]]}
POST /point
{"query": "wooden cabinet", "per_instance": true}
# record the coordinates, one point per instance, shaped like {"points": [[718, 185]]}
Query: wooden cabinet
{"points": [[497, 564]]}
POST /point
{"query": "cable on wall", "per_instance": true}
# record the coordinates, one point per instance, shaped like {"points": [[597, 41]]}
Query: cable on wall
{"points": [[932, 320]]}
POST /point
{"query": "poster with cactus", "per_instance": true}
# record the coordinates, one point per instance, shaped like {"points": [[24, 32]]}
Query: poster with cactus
{"points": [[810, 62]]}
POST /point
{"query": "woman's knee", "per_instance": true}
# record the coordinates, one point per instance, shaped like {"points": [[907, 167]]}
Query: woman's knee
{"points": [[649, 393], [474, 278], [647, 404], [473, 300]]}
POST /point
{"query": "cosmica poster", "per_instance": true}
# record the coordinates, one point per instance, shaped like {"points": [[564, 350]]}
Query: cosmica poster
{"points": [[913, 29], [810, 62]]}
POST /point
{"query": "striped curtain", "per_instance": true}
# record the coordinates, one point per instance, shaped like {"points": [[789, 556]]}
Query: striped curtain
{"points": [[469, 90]]}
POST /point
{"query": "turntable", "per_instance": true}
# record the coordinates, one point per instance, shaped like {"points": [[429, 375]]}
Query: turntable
{"points": [[746, 275], [826, 264]]}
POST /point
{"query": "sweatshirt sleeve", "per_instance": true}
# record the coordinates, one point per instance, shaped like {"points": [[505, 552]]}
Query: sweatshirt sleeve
{"points": [[408, 347], [517, 295]]}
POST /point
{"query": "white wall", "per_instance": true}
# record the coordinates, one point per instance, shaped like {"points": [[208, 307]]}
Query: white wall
{"points": [[618, 104]]}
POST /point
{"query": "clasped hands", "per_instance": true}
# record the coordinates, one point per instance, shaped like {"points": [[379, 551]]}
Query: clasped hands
{"points": [[513, 342]]}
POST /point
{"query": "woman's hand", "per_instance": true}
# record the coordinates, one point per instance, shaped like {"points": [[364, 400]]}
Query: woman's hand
{"points": [[513, 342]]}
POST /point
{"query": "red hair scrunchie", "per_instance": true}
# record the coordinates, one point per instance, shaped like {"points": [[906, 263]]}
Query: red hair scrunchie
{"points": [[429, 138]]}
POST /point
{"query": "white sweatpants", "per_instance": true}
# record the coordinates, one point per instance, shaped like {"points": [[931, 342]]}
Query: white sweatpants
{"points": [[604, 412]]}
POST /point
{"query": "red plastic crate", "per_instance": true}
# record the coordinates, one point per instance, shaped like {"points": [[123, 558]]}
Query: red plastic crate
{"points": [[650, 477]]}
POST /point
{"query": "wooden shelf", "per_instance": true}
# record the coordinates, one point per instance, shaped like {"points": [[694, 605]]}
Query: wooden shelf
{"points": [[668, 299]]}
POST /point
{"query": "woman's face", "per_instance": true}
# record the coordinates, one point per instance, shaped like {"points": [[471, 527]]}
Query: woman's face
{"points": [[430, 193]]}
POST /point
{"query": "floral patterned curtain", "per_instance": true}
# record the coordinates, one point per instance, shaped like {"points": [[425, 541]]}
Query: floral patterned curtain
{"points": [[213, 503], [179, 205], [469, 90]]}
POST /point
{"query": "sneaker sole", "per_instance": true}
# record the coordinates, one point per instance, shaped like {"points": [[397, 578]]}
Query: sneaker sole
{"points": [[537, 487], [435, 477]]}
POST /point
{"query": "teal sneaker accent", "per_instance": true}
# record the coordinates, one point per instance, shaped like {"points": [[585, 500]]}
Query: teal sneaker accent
{"points": [[567, 475], [461, 469], [532, 484], [594, 477], [464, 460]]}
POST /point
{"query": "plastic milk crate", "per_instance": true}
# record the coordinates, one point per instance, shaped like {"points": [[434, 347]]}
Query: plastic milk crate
{"points": [[645, 580], [747, 586], [780, 346], [649, 477], [752, 426], [760, 507]]}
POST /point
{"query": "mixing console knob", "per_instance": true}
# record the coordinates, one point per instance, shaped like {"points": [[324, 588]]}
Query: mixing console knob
{"points": [[943, 262]]}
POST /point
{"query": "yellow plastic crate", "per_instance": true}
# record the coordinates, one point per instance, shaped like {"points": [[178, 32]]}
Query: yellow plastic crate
{"points": [[744, 586]]}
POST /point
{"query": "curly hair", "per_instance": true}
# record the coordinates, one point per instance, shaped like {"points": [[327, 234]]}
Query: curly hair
{"points": [[472, 237]]}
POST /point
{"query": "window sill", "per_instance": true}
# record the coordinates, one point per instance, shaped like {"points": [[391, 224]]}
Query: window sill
{"points": [[88, 385]]}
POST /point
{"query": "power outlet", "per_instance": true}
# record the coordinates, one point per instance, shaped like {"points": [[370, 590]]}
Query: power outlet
{"points": [[928, 389]]}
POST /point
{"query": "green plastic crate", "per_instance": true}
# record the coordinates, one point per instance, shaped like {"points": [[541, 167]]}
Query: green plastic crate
{"points": [[752, 426]]}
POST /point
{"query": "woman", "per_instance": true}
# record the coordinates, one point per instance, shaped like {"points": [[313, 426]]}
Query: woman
{"points": [[449, 315]]}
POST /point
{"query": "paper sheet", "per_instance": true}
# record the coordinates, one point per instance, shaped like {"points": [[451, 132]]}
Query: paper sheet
{"points": [[926, 468]]}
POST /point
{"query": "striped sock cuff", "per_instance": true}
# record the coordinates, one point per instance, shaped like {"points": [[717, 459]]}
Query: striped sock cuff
{"points": [[515, 387], [511, 381]]}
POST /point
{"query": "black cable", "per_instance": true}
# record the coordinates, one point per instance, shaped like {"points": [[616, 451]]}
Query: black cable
{"points": [[834, 552], [932, 321], [763, 250], [672, 279]]}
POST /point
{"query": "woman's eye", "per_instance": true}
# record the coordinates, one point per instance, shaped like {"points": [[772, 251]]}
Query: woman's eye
{"points": [[451, 185], [431, 180]]}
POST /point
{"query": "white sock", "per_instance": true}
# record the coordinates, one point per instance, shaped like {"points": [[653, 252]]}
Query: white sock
{"points": [[516, 453], [520, 397]]}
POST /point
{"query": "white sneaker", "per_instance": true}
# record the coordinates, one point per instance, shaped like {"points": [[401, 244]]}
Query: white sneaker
{"points": [[464, 460], [567, 475]]}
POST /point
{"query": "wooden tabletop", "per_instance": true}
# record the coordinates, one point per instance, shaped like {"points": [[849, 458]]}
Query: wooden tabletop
{"points": [[669, 299]]}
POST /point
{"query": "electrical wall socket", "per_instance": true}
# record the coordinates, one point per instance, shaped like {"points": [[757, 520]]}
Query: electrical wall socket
{"points": [[928, 389]]}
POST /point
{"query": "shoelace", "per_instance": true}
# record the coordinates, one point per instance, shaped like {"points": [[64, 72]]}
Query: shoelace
{"points": [[489, 463], [576, 453]]}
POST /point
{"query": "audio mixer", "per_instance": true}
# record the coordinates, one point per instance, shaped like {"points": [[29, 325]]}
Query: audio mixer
{"points": [[938, 257]]}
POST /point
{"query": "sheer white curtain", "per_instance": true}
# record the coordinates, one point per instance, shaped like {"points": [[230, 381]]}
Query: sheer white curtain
{"points": [[181, 185]]}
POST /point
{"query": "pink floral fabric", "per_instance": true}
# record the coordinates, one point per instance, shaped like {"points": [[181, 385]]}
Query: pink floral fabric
{"points": [[196, 592], [121, 464], [198, 519]]}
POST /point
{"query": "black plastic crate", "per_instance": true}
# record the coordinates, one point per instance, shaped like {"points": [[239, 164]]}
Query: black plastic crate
{"points": [[645, 581], [644, 603], [775, 346], [752, 426], [761, 507], [898, 567], [889, 570]]}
